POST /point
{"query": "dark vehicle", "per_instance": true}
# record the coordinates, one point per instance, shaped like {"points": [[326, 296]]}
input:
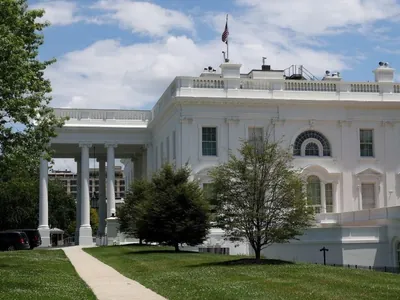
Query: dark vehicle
{"points": [[35, 240], [13, 240]]}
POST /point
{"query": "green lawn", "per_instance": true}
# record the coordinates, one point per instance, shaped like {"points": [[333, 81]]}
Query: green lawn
{"points": [[40, 274], [208, 276]]}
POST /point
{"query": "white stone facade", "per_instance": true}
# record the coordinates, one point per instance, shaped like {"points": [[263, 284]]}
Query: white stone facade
{"points": [[345, 137]]}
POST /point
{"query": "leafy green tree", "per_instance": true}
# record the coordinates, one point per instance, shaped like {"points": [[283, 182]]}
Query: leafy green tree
{"points": [[94, 220], [170, 209], [260, 196], [132, 215], [19, 200], [27, 124]]}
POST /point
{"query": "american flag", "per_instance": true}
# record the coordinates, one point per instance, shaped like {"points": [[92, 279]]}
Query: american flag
{"points": [[225, 34]]}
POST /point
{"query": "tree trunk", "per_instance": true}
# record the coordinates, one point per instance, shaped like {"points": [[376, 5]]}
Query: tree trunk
{"points": [[140, 242], [258, 254], [176, 245]]}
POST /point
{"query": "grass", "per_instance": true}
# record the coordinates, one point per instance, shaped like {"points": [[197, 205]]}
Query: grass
{"points": [[40, 274], [208, 276]]}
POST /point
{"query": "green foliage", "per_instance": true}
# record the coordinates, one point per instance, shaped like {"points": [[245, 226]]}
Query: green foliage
{"points": [[19, 202], [260, 196], [26, 122], [94, 220], [170, 209], [132, 215]]}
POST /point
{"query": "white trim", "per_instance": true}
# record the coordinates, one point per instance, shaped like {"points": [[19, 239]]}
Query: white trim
{"points": [[373, 157], [309, 141], [200, 139]]}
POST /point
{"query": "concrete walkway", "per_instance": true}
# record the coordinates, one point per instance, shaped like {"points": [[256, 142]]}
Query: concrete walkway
{"points": [[107, 283]]}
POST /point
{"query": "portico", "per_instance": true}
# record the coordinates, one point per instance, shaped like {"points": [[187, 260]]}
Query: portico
{"points": [[104, 137]]}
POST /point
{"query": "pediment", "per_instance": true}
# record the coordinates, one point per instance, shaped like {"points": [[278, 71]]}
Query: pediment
{"points": [[369, 171]]}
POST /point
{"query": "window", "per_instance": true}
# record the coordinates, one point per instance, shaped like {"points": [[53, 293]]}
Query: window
{"points": [[368, 195], [366, 143], [167, 145], [162, 153], [255, 136], [311, 137], [398, 254], [311, 149], [329, 197], [174, 145], [314, 192], [209, 141]]}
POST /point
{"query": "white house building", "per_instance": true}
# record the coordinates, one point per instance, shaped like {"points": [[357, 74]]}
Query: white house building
{"points": [[345, 138]]}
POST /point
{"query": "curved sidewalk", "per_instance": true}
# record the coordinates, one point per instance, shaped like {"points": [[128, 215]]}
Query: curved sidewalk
{"points": [[107, 283]]}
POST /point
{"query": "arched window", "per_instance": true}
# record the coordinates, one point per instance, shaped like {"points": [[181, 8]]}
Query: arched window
{"points": [[312, 149], [315, 144], [314, 192]]}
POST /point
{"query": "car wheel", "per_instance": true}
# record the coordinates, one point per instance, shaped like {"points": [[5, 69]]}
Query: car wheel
{"points": [[10, 248]]}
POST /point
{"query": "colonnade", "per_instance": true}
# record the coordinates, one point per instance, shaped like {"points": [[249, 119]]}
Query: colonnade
{"points": [[83, 233]]}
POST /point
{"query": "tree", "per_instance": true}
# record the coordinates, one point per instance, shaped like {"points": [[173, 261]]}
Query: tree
{"points": [[27, 124], [260, 196], [19, 202], [132, 215], [94, 220], [170, 209]]}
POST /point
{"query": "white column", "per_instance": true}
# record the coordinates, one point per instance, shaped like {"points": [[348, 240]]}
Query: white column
{"points": [[102, 197], [335, 197], [78, 199], [323, 198], [143, 174], [149, 157], [110, 179], [85, 230], [44, 203]]}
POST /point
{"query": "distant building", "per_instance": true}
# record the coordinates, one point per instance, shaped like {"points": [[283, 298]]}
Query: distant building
{"points": [[69, 179]]}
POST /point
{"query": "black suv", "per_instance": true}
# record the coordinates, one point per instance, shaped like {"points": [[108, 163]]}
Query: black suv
{"points": [[13, 240], [35, 240]]}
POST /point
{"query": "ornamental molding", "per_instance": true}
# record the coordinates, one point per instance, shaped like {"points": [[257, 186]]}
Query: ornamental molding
{"points": [[342, 123], [232, 120], [85, 144], [386, 123], [110, 145], [276, 121], [186, 119]]}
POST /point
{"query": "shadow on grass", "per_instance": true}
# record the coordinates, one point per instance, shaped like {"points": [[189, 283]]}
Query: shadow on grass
{"points": [[243, 262], [159, 251]]}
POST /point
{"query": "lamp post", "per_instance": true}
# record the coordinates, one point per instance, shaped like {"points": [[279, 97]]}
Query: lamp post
{"points": [[324, 250]]}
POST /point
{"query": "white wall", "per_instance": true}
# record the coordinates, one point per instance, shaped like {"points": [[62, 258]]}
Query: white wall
{"points": [[345, 168]]}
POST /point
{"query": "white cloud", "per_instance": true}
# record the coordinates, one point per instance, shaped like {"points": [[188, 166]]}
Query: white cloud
{"points": [[108, 74], [145, 17], [58, 12], [311, 17]]}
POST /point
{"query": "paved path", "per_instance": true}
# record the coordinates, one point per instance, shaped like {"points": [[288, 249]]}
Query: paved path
{"points": [[106, 283]]}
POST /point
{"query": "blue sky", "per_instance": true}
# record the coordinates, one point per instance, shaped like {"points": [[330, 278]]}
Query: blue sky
{"points": [[124, 53]]}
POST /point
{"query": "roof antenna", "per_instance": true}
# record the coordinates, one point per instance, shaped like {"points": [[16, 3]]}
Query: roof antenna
{"points": [[263, 59]]}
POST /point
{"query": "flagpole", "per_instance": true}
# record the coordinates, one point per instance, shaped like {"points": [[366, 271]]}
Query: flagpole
{"points": [[227, 42]]}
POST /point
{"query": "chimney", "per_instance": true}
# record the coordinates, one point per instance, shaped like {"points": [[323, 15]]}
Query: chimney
{"points": [[229, 70], [384, 73], [265, 68]]}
